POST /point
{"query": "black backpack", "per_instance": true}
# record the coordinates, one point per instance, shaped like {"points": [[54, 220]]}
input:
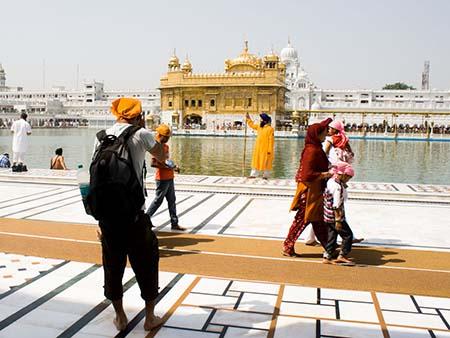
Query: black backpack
{"points": [[115, 192]]}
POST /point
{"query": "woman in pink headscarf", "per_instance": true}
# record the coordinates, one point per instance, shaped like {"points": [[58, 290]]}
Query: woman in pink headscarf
{"points": [[337, 145]]}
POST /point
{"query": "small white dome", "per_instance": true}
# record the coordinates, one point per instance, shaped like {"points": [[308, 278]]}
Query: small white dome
{"points": [[288, 53]]}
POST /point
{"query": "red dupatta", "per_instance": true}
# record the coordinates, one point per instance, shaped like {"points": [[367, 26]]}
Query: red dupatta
{"points": [[313, 160]]}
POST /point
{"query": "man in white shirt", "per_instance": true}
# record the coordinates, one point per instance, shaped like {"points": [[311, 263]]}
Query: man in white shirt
{"points": [[20, 129]]}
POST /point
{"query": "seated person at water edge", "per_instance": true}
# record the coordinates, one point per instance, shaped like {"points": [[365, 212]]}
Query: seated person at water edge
{"points": [[57, 161], [164, 175], [263, 151], [4, 161]]}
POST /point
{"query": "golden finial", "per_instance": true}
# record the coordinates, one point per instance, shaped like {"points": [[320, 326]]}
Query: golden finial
{"points": [[246, 46]]}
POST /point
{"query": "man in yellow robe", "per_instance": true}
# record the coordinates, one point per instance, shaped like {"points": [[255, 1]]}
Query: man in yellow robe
{"points": [[263, 151]]}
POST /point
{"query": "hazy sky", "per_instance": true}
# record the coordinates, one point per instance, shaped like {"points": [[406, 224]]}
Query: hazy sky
{"points": [[341, 43]]}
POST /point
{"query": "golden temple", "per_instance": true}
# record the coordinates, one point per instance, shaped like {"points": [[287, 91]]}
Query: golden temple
{"points": [[249, 84]]}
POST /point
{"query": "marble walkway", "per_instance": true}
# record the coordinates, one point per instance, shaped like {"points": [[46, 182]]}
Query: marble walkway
{"points": [[54, 297]]}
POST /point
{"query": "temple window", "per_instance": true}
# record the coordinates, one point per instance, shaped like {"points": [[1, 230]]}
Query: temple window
{"points": [[200, 103], [212, 103], [192, 103], [249, 102], [170, 103], [186, 103]]}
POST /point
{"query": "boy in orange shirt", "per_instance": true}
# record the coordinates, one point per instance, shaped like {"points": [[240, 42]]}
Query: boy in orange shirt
{"points": [[165, 187]]}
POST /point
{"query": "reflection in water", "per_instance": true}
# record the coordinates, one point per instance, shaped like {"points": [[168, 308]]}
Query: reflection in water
{"points": [[379, 161]]}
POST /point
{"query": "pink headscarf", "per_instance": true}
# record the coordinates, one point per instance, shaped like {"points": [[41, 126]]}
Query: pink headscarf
{"points": [[342, 168], [340, 140]]}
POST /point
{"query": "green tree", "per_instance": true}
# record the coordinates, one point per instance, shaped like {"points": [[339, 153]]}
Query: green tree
{"points": [[398, 86]]}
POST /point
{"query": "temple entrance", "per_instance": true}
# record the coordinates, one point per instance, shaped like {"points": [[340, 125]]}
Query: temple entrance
{"points": [[193, 121]]}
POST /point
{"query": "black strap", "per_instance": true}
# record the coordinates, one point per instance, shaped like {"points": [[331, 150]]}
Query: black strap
{"points": [[101, 135], [127, 133]]}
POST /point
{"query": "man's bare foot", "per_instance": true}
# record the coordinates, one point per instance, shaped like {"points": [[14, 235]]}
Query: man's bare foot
{"points": [[327, 261], [152, 323], [357, 240], [121, 322], [344, 261]]}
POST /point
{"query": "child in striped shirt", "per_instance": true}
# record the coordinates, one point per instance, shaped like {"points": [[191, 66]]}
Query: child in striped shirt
{"points": [[334, 214]]}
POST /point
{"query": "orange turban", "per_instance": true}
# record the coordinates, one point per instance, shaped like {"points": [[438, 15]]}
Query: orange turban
{"points": [[163, 129], [126, 108]]}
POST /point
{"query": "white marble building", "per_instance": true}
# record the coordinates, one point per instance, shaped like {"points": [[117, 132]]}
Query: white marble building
{"points": [[91, 103], [359, 106]]}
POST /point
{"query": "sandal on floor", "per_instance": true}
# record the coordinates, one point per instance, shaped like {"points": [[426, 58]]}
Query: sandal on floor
{"points": [[289, 253]]}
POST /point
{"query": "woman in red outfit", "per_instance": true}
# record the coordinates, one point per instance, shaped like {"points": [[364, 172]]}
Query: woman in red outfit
{"points": [[311, 180]]}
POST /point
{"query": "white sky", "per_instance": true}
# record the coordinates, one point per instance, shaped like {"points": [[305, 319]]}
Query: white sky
{"points": [[341, 43]]}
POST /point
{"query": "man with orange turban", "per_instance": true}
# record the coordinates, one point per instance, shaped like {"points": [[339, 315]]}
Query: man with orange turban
{"points": [[134, 239], [164, 175]]}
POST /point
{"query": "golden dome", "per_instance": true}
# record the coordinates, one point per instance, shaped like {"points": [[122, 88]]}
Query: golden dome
{"points": [[244, 62], [174, 62], [187, 66]]}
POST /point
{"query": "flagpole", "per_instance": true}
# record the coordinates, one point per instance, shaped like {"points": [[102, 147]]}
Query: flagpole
{"points": [[245, 146]]}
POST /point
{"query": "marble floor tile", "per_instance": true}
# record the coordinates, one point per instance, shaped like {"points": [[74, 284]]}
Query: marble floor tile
{"points": [[359, 296], [44, 285], [350, 330], [402, 332], [234, 332], [225, 215], [49, 319], [204, 210], [27, 331], [391, 301], [189, 317], [308, 310], [265, 288], [212, 286], [414, 319], [295, 327], [80, 297], [358, 312], [300, 294], [245, 319], [433, 302], [166, 332], [257, 303], [211, 301]]}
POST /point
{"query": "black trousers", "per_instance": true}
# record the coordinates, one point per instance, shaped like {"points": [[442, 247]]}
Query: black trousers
{"points": [[165, 189], [347, 239], [137, 241]]}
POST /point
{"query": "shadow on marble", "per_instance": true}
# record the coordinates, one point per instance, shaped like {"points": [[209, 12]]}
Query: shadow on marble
{"points": [[168, 240], [363, 255]]}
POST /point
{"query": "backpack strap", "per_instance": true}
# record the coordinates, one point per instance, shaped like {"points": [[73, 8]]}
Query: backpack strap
{"points": [[101, 135], [124, 137], [127, 133]]}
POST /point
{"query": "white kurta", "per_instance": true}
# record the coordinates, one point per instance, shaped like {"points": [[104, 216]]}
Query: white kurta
{"points": [[21, 128]]}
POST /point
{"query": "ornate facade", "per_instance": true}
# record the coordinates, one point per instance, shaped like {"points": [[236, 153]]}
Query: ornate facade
{"points": [[249, 84], [360, 108]]}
